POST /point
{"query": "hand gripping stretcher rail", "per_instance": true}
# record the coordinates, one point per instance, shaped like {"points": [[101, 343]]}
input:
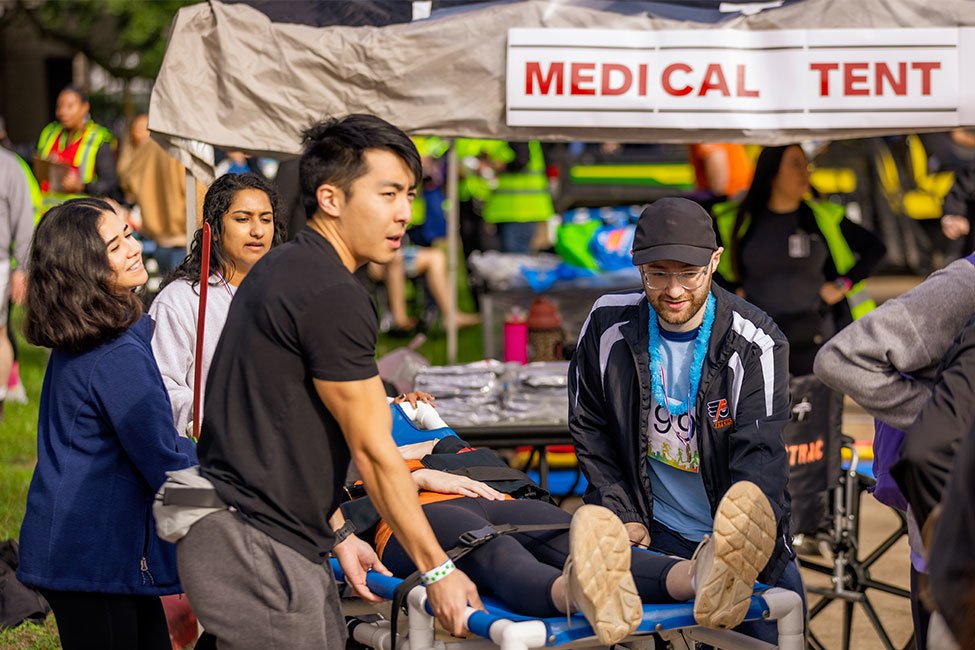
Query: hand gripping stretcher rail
{"points": [[502, 628]]}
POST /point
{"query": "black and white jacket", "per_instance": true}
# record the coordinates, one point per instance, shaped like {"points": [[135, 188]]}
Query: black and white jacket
{"points": [[741, 408]]}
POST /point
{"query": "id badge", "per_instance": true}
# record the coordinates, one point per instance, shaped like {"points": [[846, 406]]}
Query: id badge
{"points": [[799, 245]]}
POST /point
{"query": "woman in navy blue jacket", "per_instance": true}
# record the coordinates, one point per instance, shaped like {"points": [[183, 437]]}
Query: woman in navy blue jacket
{"points": [[105, 436]]}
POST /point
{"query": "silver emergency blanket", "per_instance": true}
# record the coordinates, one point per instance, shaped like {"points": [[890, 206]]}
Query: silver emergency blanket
{"points": [[467, 394], [537, 392], [489, 392]]}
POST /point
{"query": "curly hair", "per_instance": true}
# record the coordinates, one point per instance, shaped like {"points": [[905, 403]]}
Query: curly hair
{"points": [[72, 303], [220, 195]]}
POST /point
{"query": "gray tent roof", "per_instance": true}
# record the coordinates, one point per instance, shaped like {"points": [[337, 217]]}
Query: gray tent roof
{"points": [[236, 79]]}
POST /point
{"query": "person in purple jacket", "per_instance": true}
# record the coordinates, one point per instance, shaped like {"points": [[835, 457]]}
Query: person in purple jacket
{"points": [[105, 436]]}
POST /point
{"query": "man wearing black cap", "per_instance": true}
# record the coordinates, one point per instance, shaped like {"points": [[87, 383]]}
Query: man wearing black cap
{"points": [[679, 390]]}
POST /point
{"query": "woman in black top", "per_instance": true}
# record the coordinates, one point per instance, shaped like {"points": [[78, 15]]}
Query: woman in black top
{"points": [[801, 261]]}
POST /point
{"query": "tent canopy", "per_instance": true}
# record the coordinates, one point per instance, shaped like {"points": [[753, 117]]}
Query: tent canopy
{"points": [[254, 74], [237, 77]]}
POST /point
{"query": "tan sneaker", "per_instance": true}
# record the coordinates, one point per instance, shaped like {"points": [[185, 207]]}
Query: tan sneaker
{"points": [[729, 561], [598, 571]]}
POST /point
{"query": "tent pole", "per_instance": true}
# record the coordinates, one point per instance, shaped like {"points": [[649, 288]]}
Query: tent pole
{"points": [[453, 230], [190, 208]]}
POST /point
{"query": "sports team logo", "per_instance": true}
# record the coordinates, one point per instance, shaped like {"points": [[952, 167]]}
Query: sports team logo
{"points": [[719, 413]]}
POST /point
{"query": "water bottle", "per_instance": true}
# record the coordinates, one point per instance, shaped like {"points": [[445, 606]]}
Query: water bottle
{"points": [[516, 336]]}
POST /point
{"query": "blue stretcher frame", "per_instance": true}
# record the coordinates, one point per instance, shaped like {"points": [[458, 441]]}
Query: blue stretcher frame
{"points": [[507, 630], [504, 629]]}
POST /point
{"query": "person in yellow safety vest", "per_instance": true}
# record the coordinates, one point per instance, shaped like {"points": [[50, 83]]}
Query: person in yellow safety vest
{"points": [[36, 198], [801, 261], [480, 161], [521, 198], [85, 148]]}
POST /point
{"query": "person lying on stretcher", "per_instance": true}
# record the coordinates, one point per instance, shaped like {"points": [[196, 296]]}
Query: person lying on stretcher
{"points": [[590, 567]]}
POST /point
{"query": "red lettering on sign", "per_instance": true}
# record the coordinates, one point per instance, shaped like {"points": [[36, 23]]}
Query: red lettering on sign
{"points": [[824, 69], [898, 85], [741, 91], [858, 81], [925, 67], [642, 76], [850, 78], [533, 73], [582, 73], [668, 87], [714, 80], [608, 70]]}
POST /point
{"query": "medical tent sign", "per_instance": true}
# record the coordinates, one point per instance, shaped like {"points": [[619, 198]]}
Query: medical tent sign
{"points": [[735, 79]]}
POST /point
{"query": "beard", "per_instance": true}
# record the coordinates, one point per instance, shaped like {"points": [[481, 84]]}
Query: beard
{"points": [[695, 301]]}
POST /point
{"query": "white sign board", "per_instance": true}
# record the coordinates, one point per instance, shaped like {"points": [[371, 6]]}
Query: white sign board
{"points": [[734, 79]]}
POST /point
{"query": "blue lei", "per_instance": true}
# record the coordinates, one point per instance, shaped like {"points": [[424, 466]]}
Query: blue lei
{"points": [[697, 361]]}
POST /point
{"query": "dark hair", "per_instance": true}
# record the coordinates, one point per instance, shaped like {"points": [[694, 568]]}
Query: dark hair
{"points": [[333, 153], [82, 95], [758, 195], [72, 303], [216, 203]]}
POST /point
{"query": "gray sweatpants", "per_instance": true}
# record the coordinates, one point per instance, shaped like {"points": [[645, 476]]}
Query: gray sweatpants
{"points": [[251, 591]]}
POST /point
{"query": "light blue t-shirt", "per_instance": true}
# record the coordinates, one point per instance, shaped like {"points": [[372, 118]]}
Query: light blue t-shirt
{"points": [[680, 501]]}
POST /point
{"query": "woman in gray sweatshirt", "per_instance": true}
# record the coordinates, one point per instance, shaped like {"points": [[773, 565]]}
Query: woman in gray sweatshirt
{"points": [[241, 211]]}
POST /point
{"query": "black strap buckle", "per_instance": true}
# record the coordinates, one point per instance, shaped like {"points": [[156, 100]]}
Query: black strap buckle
{"points": [[474, 538]]}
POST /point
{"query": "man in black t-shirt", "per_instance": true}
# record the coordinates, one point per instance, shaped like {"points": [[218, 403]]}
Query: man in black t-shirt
{"points": [[292, 390]]}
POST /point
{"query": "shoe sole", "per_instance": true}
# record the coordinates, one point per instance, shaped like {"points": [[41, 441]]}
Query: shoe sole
{"points": [[603, 587], [744, 536]]}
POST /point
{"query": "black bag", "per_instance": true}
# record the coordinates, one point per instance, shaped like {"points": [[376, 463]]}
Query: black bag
{"points": [[18, 602], [812, 440]]}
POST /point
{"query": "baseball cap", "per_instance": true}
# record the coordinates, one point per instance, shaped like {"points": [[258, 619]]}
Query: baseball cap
{"points": [[674, 229]]}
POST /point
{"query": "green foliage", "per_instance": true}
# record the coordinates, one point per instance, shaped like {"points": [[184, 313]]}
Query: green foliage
{"points": [[126, 37]]}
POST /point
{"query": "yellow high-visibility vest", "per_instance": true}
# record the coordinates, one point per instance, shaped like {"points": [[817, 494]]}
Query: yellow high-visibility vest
{"points": [[36, 198], [522, 196], [54, 137], [828, 217]]}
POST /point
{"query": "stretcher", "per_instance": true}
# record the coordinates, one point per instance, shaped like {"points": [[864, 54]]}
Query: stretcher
{"points": [[501, 628]]}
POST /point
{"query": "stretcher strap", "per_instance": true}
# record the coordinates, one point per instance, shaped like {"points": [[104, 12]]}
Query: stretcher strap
{"points": [[468, 542]]}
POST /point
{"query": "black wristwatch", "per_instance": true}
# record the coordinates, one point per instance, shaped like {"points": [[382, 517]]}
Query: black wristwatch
{"points": [[343, 532]]}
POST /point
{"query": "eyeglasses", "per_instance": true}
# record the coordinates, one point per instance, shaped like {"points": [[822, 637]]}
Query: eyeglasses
{"points": [[660, 280]]}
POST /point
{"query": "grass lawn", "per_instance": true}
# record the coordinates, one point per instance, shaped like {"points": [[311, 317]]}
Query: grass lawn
{"points": [[18, 452]]}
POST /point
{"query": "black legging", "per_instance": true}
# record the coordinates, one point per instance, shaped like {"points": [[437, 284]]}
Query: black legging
{"points": [[520, 569], [98, 621]]}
